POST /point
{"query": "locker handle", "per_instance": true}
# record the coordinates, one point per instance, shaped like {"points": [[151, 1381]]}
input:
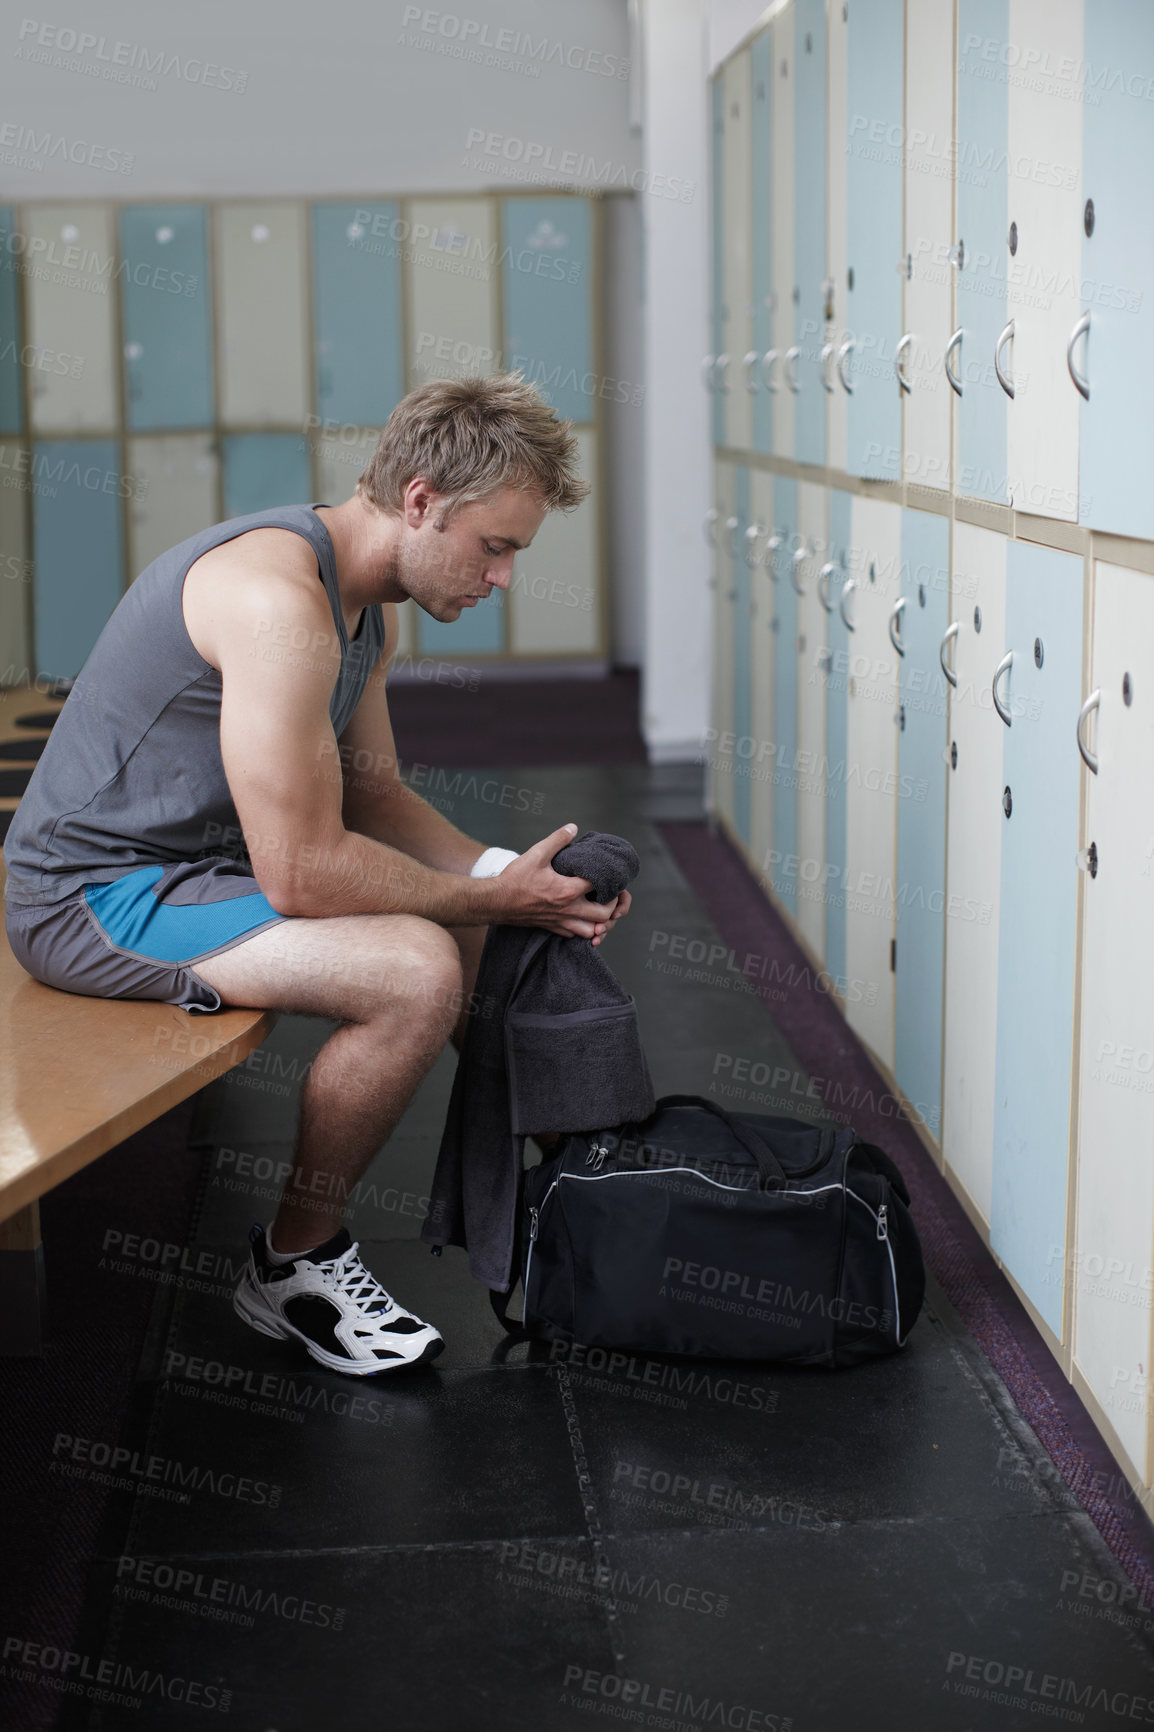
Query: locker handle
{"points": [[1080, 380], [707, 377], [954, 343], [709, 525], [895, 616], [747, 366], [719, 370], [768, 363], [771, 548], [1003, 667], [1089, 758], [903, 383], [823, 359], [797, 560], [730, 532], [951, 632], [792, 355], [750, 556], [842, 356], [823, 578], [1004, 380], [849, 584]]}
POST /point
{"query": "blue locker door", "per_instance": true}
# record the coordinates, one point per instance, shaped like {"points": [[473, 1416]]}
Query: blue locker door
{"points": [[167, 316], [264, 469], [79, 541], [547, 248], [357, 313], [480, 630], [922, 741], [1117, 431], [983, 222], [784, 761], [717, 191], [11, 340], [874, 289], [809, 227], [837, 675], [761, 248], [1036, 930], [746, 756]]}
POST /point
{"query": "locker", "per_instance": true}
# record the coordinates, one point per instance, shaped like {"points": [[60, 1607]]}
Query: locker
{"points": [[78, 538], [554, 600], [785, 372], [406, 633], [1115, 1208], [166, 316], [1116, 449], [921, 875], [762, 617], [452, 279], [175, 494], [973, 858], [70, 307], [837, 333], [339, 458], [873, 142], [11, 337], [871, 772], [720, 758], [547, 253], [262, 337], [746, 745], [928, 281], [981, 249], [760, 377], [832, 578], [812, 645], [15, 576], [479, 631], [1041, 691], [713, 365], [809, 227], [359, 353], [264, 469], [737, 267], [783, 859], [1044, 203]]}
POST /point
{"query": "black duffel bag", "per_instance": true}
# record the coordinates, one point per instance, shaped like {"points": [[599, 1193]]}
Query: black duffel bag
{"points": [[720, 1235]]}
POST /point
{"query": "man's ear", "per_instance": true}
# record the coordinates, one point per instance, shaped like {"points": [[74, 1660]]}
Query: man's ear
{"points": [[418, 502]]}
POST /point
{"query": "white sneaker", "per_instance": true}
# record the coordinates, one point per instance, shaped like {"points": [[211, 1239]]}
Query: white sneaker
{"points": [[329, 1301]]}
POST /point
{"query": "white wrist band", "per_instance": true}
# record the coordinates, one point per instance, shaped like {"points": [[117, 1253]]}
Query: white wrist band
{"points": [[492, 861]]}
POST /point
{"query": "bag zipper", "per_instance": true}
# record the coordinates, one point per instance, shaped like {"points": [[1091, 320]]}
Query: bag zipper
{"points": [[883, 1221], [597, 1155]]}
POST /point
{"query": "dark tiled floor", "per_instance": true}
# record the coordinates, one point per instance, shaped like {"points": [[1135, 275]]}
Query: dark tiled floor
{"points": [[507, 1540]]}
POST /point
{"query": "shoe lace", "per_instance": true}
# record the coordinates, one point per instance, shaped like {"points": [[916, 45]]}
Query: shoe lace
{"points": [[349, 1276]]}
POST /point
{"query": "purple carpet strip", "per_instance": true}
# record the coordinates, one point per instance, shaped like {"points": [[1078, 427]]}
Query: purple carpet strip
{"points": [[984, 1300]]}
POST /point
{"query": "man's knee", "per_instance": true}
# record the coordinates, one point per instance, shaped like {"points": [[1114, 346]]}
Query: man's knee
{"points": [[421, 965]]}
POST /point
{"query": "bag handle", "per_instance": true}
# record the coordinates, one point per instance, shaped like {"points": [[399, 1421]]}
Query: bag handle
{"points": [[773, 1174]]}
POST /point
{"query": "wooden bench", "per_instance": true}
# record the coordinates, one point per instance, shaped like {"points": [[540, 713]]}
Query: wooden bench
{"points": [[77, 1076]]}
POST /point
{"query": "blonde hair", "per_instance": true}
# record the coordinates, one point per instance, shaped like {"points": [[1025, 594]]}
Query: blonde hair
{"points": [[470, 437]]}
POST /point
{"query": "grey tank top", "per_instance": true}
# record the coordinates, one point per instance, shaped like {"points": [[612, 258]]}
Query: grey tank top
{"points": [[132, 774]]}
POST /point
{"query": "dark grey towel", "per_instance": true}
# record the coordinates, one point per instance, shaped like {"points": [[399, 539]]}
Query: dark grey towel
{"points": [[560, 1051]]}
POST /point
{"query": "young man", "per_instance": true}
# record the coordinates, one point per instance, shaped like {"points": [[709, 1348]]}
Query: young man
{"points": [[231, 691]]}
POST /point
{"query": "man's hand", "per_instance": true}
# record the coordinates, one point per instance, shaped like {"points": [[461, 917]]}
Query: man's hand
{"points": [[538, 896]]}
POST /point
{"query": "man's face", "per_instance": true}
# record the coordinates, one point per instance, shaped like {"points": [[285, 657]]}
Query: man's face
{"points": [[448, 567]]}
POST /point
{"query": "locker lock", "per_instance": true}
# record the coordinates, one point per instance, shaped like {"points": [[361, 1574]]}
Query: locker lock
{"points": [[873, 572], [977, 619], [921, 595], [1127, 691], [1007, 801], [808, 43], [1038, 652], [1088, 217], [901, 718], [849, 278], [953, 754], [1088, 859], [1013, 239]]}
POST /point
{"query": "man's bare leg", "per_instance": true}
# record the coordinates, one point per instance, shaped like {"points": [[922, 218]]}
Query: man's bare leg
{"points": [[394, 981]]}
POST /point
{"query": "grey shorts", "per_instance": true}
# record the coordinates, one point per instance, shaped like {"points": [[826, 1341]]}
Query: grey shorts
{"points": [[140, 935]]}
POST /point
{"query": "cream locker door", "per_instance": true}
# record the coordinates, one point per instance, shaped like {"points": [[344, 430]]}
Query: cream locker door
{"points": [[837, 240], [175, 493], [338, 459], [928, 227], [812, 644], [1044, 263], [71, 317], [554, 599], [782, 246], [15, 576], [871, 773], [973, 860], [721, 752], [1115, 1204], [451, 282], [737, 256], [762, 612], [262, 327]]}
